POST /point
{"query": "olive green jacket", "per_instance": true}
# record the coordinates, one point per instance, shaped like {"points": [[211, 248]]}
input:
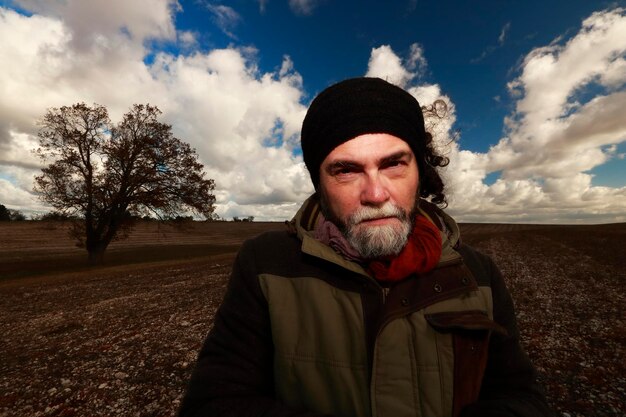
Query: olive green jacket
{"points": [[302, 331]]}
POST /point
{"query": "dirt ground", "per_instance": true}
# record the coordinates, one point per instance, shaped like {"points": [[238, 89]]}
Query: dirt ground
{"points": [[122, 339]]}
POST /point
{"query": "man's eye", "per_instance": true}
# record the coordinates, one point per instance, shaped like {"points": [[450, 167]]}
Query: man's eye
{"points": [[396, 163], [344, 171]]}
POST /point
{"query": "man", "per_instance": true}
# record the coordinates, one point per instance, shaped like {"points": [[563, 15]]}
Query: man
{"points": [[371, 306]]}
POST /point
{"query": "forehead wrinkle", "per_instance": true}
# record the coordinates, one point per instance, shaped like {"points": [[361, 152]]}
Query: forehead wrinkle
{"points": [[348, 162], [396, 156], [341, 163]]}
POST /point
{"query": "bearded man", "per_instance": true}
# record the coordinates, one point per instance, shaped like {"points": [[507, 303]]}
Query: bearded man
{"points": [[369, 305]]}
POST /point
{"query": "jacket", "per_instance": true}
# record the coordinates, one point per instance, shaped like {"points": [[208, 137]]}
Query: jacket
{"points": [[304, 332]]}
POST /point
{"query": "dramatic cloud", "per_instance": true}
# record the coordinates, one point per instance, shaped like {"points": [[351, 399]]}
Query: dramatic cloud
{"points": [[385, 64], [554, 138], [569, 114], [100, 21], [243, 123]]}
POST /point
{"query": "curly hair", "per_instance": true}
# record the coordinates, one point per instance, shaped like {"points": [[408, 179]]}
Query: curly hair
{"points": [[430, 160]]}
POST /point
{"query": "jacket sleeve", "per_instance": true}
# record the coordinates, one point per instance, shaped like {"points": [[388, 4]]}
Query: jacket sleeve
{"points": [[509, 387], [234, 372]]}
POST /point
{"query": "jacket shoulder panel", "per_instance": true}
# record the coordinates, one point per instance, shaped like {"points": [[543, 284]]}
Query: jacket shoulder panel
{"points": [[481, 265], [279, 253]]}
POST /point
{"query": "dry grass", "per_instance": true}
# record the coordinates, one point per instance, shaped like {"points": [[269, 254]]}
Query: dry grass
{"points": [[30, 249], [121, 339]]}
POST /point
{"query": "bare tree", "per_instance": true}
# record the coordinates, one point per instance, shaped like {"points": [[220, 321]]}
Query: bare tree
{"points": [[109, 174]]}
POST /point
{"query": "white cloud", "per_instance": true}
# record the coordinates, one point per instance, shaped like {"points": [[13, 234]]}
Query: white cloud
{"points": [[259, 212], [553, 139], [385, 64], [225, 17], [100, 21], [245, 123], [416, 60], [15, 197], [42, 67], [302, 7], [552, 134], [187, 38], [503, 33], [492, 48], [218, 101], [552, 74]]}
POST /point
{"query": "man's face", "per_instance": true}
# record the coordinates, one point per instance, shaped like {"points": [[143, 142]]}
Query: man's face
{"points": [[369, 190]]}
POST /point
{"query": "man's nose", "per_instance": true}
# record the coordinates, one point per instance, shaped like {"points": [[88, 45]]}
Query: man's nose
{"points": [[374, 192]]}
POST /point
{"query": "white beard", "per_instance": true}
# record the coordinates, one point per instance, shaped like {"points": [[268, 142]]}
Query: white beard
{"points": [[376, 241]]}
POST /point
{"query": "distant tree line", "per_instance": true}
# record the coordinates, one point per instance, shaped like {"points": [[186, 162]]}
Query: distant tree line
{"points": [[7, 215], [243, 219], [56, 216]]}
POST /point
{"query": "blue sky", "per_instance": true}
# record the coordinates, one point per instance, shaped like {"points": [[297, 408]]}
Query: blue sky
{"points": [[473, 48], [536, 91]]}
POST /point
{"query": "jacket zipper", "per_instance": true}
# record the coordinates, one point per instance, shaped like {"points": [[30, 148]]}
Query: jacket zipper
{"points": [[385, 293]]}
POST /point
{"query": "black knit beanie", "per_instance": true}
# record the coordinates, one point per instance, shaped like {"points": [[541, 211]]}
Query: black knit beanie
{"points": [[356, 107]]}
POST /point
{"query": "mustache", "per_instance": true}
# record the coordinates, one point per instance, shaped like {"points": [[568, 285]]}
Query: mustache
{"points": [[373, 213]]}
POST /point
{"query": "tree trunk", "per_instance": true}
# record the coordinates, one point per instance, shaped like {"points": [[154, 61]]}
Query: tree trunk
{"points": [[96, 253]]}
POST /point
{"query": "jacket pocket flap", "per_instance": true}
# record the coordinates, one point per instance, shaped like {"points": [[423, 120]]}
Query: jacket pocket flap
{"points": [[464, 320]]}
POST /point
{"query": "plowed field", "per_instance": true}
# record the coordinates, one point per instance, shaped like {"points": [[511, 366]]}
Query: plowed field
{"points": [[121, 339]]}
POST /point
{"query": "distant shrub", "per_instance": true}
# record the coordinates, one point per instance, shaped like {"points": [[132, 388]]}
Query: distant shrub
{"points": [[17, 216], [180, 219], [56, 216]]}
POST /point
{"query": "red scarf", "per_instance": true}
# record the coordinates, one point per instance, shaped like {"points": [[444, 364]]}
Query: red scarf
{"points": [[420, 255]]}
